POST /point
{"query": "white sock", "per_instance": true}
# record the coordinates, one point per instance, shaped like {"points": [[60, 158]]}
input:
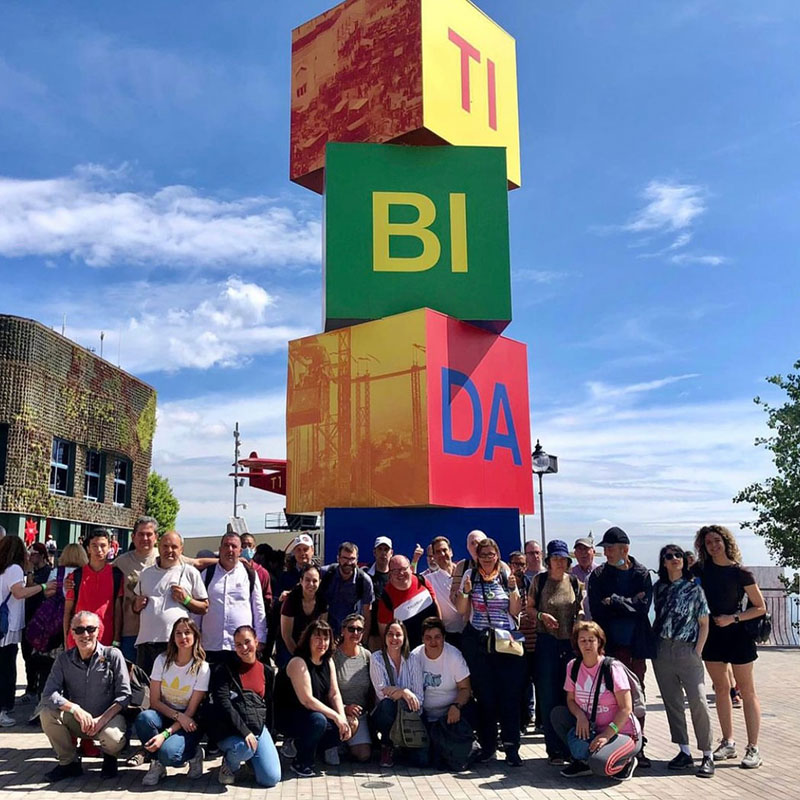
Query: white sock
{"points": [[706, 754], [685, 749]]}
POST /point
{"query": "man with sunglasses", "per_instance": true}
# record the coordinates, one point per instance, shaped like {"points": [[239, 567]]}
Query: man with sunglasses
{"points": [[84, 696]]}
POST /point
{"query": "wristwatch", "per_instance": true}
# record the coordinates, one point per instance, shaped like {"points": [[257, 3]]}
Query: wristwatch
{"points": [[736, 618]]}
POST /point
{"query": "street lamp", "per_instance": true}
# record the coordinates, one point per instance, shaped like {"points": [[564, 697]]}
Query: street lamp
{"points": [[543, 464]]}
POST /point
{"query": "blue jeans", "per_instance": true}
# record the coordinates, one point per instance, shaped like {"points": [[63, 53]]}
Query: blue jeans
{"points": [[311, 730], [178, 748], [552, 656], [265, 761]]}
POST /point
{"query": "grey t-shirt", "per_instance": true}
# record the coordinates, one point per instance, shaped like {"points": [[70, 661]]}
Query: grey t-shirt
{"points": [[352, 675]]}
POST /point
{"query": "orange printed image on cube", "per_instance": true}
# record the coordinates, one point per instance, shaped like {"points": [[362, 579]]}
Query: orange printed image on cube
{"points": [[423, 72]]}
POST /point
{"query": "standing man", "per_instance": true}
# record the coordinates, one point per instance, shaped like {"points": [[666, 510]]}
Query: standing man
{"points": [[85, 694], [264, 578], [441, 579], [379, 575], [620, 592], [131, 565], [347, 588], [407, 597], [533, 559], [166, 591], [95, 588], [301, 550], [234, 599], [466, 564], [584, 566], [51, 545], [527, 626]]}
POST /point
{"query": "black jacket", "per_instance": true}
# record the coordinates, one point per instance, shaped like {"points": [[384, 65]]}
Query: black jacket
{"points": [[602, 583], [237, 712]]}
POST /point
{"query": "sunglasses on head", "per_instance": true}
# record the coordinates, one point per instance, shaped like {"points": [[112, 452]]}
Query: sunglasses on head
{"points": [[671, 556], [354, 629], [81, 629]]}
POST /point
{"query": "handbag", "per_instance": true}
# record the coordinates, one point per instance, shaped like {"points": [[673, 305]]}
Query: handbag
{"points": [[760, 628], [500, 640], [4, 615], [408, 730]]}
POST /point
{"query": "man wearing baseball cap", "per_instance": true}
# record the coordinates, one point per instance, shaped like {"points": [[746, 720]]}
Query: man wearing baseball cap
{"points": [[620, 592], [584, 566], [379, 573]]}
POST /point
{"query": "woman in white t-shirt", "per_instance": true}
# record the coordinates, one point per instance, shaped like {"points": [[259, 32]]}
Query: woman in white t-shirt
{"points": [[178, 684], [12, 618], [597, 724]]}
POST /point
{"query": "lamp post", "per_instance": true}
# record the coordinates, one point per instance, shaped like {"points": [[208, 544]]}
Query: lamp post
{"points": [[236, 448], [543, 464]]}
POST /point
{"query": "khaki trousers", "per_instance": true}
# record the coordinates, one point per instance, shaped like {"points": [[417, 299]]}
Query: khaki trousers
{"points": [[60, 727]]}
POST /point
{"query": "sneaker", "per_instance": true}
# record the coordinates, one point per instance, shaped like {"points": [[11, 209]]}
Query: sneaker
{"points": [[707, 768], [289, 749], [576, 769], [226, 776], [301, 771], [483, 756], [6, 720], [196, 764], [331, 757], [512, 756], [59, 772], [137, 759], [212, 751], [387, 756], [110, 767], [725, 751], [751, 760], [556, 761], [156, 772], [33, 719], [626, 773], [642, 761], [28, 697], [681, 761]]}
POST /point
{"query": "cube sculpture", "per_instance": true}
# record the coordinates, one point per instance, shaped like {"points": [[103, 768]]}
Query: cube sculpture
{"points": [[410, 227], [406, 71], [417, 409]]}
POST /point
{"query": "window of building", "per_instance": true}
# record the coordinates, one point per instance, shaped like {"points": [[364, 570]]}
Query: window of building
{"points": [[122, 482], [3, 450], [94, 476], [62, 462]]}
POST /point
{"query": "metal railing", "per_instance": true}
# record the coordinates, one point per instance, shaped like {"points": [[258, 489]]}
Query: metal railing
{"points": [[785, 611]]}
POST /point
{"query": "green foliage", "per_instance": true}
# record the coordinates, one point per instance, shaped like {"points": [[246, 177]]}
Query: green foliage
{"points": [[146, 424], [777, 499], [161, 502]]}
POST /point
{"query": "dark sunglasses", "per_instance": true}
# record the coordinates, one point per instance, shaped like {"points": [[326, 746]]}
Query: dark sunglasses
{"points": [[81, 629], [671, 556], [354, 629]]}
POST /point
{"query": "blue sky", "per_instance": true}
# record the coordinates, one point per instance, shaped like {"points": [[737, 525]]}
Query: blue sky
{"points": [[144, 192]]}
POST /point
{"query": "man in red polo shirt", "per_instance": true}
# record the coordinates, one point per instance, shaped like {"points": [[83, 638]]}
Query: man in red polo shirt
{"points": [[408, 598], [95, 588]]}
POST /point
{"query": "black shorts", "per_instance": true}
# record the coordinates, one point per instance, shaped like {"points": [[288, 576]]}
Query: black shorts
{"points": [[732, 645]]}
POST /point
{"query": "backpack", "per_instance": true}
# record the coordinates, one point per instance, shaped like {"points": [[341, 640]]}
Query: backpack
{"points": [[77, 577], [46, 626], [208, 575], [327, 577], [389, 603], [452, 744], [540, 584], [4, 615], [638, 697]]}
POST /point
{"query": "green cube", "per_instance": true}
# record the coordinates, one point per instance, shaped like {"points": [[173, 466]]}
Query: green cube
{"points": [[413, 227]]}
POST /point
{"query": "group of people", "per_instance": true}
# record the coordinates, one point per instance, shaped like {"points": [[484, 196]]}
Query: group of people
{"points": [[444, 666]]}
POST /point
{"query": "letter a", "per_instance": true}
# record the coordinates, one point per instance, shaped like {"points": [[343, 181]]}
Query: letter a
{"points": [[493, 437], [383, 230], [450, 445]]}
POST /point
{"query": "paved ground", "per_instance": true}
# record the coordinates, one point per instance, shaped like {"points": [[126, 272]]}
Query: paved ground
{"points": [[24, 756]]}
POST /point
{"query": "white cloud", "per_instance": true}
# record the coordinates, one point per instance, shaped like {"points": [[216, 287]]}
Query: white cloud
{"points": [[670, 207], [543, 276], [176, 326], [690, 258], [604, 391], [84, 217]]}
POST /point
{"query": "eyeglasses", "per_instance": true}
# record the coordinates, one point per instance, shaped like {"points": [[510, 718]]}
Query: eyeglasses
{"points": [[400, 570], [81, 629], [354, 629], [517, 563], [671, 556]]}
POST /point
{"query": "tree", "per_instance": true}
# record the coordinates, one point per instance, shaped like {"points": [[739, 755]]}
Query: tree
{"points": [[777, 499], [161, 503]]}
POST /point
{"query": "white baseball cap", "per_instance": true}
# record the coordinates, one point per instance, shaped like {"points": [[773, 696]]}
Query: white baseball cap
{"points": [[383, 540], [302, 538]]}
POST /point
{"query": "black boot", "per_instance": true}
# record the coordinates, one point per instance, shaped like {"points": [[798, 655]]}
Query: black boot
{"points": [[110, 768]]}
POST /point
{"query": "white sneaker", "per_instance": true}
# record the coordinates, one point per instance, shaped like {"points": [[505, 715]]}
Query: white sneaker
{"points": [[289, 749], [156, 772], [196, 764], [331, 757], [751, 760], [6, 720], [725, 751], [226, 776]]}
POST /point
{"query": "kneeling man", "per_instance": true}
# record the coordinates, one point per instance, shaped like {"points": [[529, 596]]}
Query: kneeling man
{"points": [[84, 696]]}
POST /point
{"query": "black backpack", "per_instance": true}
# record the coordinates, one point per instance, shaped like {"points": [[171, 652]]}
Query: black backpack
{"points": [[77, 577], [389, 603], [541, 581], [638, 698], [327, 577], [208, 575]]}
